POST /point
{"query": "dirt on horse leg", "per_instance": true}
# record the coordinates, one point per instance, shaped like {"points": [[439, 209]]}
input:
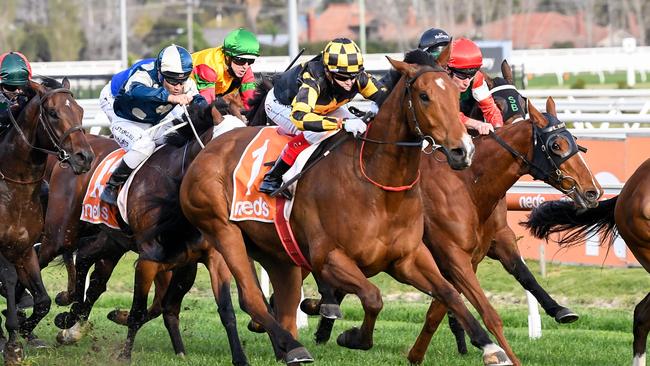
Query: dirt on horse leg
{"points": [[220, 279], [504, 249], [640, 329], [419, 270]]}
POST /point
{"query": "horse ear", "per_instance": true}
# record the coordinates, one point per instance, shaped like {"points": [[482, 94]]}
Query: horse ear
{"points": [[506, 71], [550, 107], [66, 82], [216, 116], [443, 58], [536, 116], [403, 67]]}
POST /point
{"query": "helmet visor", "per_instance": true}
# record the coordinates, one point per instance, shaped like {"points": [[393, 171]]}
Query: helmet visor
{"points": [[463, 74]]}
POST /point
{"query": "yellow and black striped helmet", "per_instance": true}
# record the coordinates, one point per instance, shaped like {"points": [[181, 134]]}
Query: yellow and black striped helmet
{"points": [[342, 55]]}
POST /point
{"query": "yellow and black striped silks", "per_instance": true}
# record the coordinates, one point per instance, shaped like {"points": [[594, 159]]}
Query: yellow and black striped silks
{"points": [[342, 55], [316, 97]]}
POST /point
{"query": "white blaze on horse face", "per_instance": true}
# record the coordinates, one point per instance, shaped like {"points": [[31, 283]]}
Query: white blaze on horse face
{"points": [[67, 103], [469, 147], [440, 83]]}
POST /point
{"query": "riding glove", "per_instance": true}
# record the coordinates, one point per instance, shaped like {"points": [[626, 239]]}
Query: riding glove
{"points": [[355, 126]]}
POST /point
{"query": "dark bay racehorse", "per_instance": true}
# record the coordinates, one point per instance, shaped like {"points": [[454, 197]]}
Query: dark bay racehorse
{"points": [[50, 123], [104, 248], [627, 215], [347, 227]]}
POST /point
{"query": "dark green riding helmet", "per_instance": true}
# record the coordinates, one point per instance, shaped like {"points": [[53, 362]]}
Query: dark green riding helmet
{"points": [[14, 69]]}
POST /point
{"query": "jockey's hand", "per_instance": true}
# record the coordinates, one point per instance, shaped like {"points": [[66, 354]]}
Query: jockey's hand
{"points": [[182, 99], [355, 126], [481, 127]]}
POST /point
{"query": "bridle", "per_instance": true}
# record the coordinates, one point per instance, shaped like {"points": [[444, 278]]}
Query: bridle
{"points": [[60, 152]]}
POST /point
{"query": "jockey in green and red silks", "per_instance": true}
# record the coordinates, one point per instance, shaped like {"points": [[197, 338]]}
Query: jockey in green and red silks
{"points": [[226, 69], [463, 66], [15, 73]]}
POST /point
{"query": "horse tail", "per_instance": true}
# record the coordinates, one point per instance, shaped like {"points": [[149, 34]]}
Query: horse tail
{"points": [[558, 216], [171, 230], [256, 114]]}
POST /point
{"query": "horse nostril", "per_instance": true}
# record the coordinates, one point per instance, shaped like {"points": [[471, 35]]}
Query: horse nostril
{"points": [[591, 195], [458, 153]]}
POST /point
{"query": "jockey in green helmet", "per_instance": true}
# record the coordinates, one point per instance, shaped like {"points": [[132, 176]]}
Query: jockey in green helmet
{"points": [[15, 74]]}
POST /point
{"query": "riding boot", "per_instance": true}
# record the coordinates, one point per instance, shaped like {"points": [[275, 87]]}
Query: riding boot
{"points": [[119, 176], [273, 178]]}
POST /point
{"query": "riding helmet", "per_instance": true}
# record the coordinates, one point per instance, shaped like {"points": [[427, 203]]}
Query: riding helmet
{"points": [[433, 41], [342, 55], [174, 62], [14, 69], [241, 43], [465, 54]]}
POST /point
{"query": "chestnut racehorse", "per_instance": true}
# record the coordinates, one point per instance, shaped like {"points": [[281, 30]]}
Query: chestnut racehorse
{"points": [[347, 225], [50, 123], [627, 215]]}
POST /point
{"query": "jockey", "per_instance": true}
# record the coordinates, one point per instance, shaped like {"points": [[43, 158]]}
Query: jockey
{"points": [[145, 108], [15, 73], [112, 89], [463, 67], [226, 69], [306, 101], [433, 41]]}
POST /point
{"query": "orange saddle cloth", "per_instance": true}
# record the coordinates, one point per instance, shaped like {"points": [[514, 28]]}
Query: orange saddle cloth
{"points": [[95, 210]]}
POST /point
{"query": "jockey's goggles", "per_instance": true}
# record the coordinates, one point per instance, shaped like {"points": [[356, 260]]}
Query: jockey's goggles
{"points": [[344, 77], [175, 82], [9, 88], [241, 61], [463, 74]]}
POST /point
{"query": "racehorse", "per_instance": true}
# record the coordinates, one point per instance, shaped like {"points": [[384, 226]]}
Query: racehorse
{"points": [[342, 249], [105, 247], [50, 123], [627, 215]]}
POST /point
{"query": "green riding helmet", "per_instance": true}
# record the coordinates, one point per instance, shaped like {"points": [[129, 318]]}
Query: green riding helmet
{"points": [[14, 69], [241, 43]]}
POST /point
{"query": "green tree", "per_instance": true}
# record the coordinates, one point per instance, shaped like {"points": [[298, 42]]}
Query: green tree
{"points": [[64, 33]]}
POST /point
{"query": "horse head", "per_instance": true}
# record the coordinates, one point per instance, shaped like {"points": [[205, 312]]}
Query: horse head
{"points": [[510, 102], [557, 158], [431, 108], [59, 120]]}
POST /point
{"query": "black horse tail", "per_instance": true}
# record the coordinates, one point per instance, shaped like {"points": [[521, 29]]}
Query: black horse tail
{"points": [[559, 216], [172, 230], [256, 114]]}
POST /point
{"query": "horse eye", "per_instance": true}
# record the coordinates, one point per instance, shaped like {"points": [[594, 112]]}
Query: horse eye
{"points": [[555, 146], [424, 97], [53, 114]]}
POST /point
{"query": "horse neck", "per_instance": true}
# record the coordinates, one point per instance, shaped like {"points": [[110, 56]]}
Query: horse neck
{"points": [[388, 163], [494, 169], [20, 160]]}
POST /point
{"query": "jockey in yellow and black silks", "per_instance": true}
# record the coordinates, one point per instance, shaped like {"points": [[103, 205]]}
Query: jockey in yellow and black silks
{"points": [[307, 100]]}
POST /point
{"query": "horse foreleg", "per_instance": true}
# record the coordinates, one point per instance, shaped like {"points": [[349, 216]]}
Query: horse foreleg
{"points": [[145, 271], [461, 273], [342, 273], [29, 273], [181, 281], [13, 349], [220, 279], [640, 329], [504, 249], [419, 269]]}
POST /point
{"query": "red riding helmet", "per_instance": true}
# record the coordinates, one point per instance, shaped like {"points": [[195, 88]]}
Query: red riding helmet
{"points": [[465, 54]]}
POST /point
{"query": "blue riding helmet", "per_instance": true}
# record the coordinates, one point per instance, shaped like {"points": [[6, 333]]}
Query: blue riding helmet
{"points": [[174, 63]]}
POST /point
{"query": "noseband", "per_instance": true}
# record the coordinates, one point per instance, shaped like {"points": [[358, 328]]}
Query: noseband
{"points": [[61, 153]]}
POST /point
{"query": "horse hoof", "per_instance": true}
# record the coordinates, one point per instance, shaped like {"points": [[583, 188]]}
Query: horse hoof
{"points": [[351, 339], [13, 353], [26, 301], [34, 342], [255, 327], [298, 355], [118, 316], [64, 320], [331, 311], [124, 356], [415, 358], [181, 355], [310, 306], [498, 358], [62, 298], [566, 316], [3, 342], [73, 334]]}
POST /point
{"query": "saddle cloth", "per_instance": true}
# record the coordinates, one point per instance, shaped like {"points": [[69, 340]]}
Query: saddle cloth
{"points": [[95, 210]]}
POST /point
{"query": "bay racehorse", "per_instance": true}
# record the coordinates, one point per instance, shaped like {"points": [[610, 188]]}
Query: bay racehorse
{"points": [[627, 215], [49, 124], [348, 226], [104, 248]]}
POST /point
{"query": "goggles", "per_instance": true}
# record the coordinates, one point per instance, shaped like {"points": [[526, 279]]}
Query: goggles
{"points": [[463, 74], [241, 61], [344, 77]]}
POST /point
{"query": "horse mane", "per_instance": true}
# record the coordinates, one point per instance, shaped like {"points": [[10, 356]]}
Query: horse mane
{"points": [[50, 83], [201, 117], [420, 57], [261, 90]]}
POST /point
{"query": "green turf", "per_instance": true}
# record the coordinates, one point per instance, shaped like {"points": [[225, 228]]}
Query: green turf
{"points": [[604, 298]]}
